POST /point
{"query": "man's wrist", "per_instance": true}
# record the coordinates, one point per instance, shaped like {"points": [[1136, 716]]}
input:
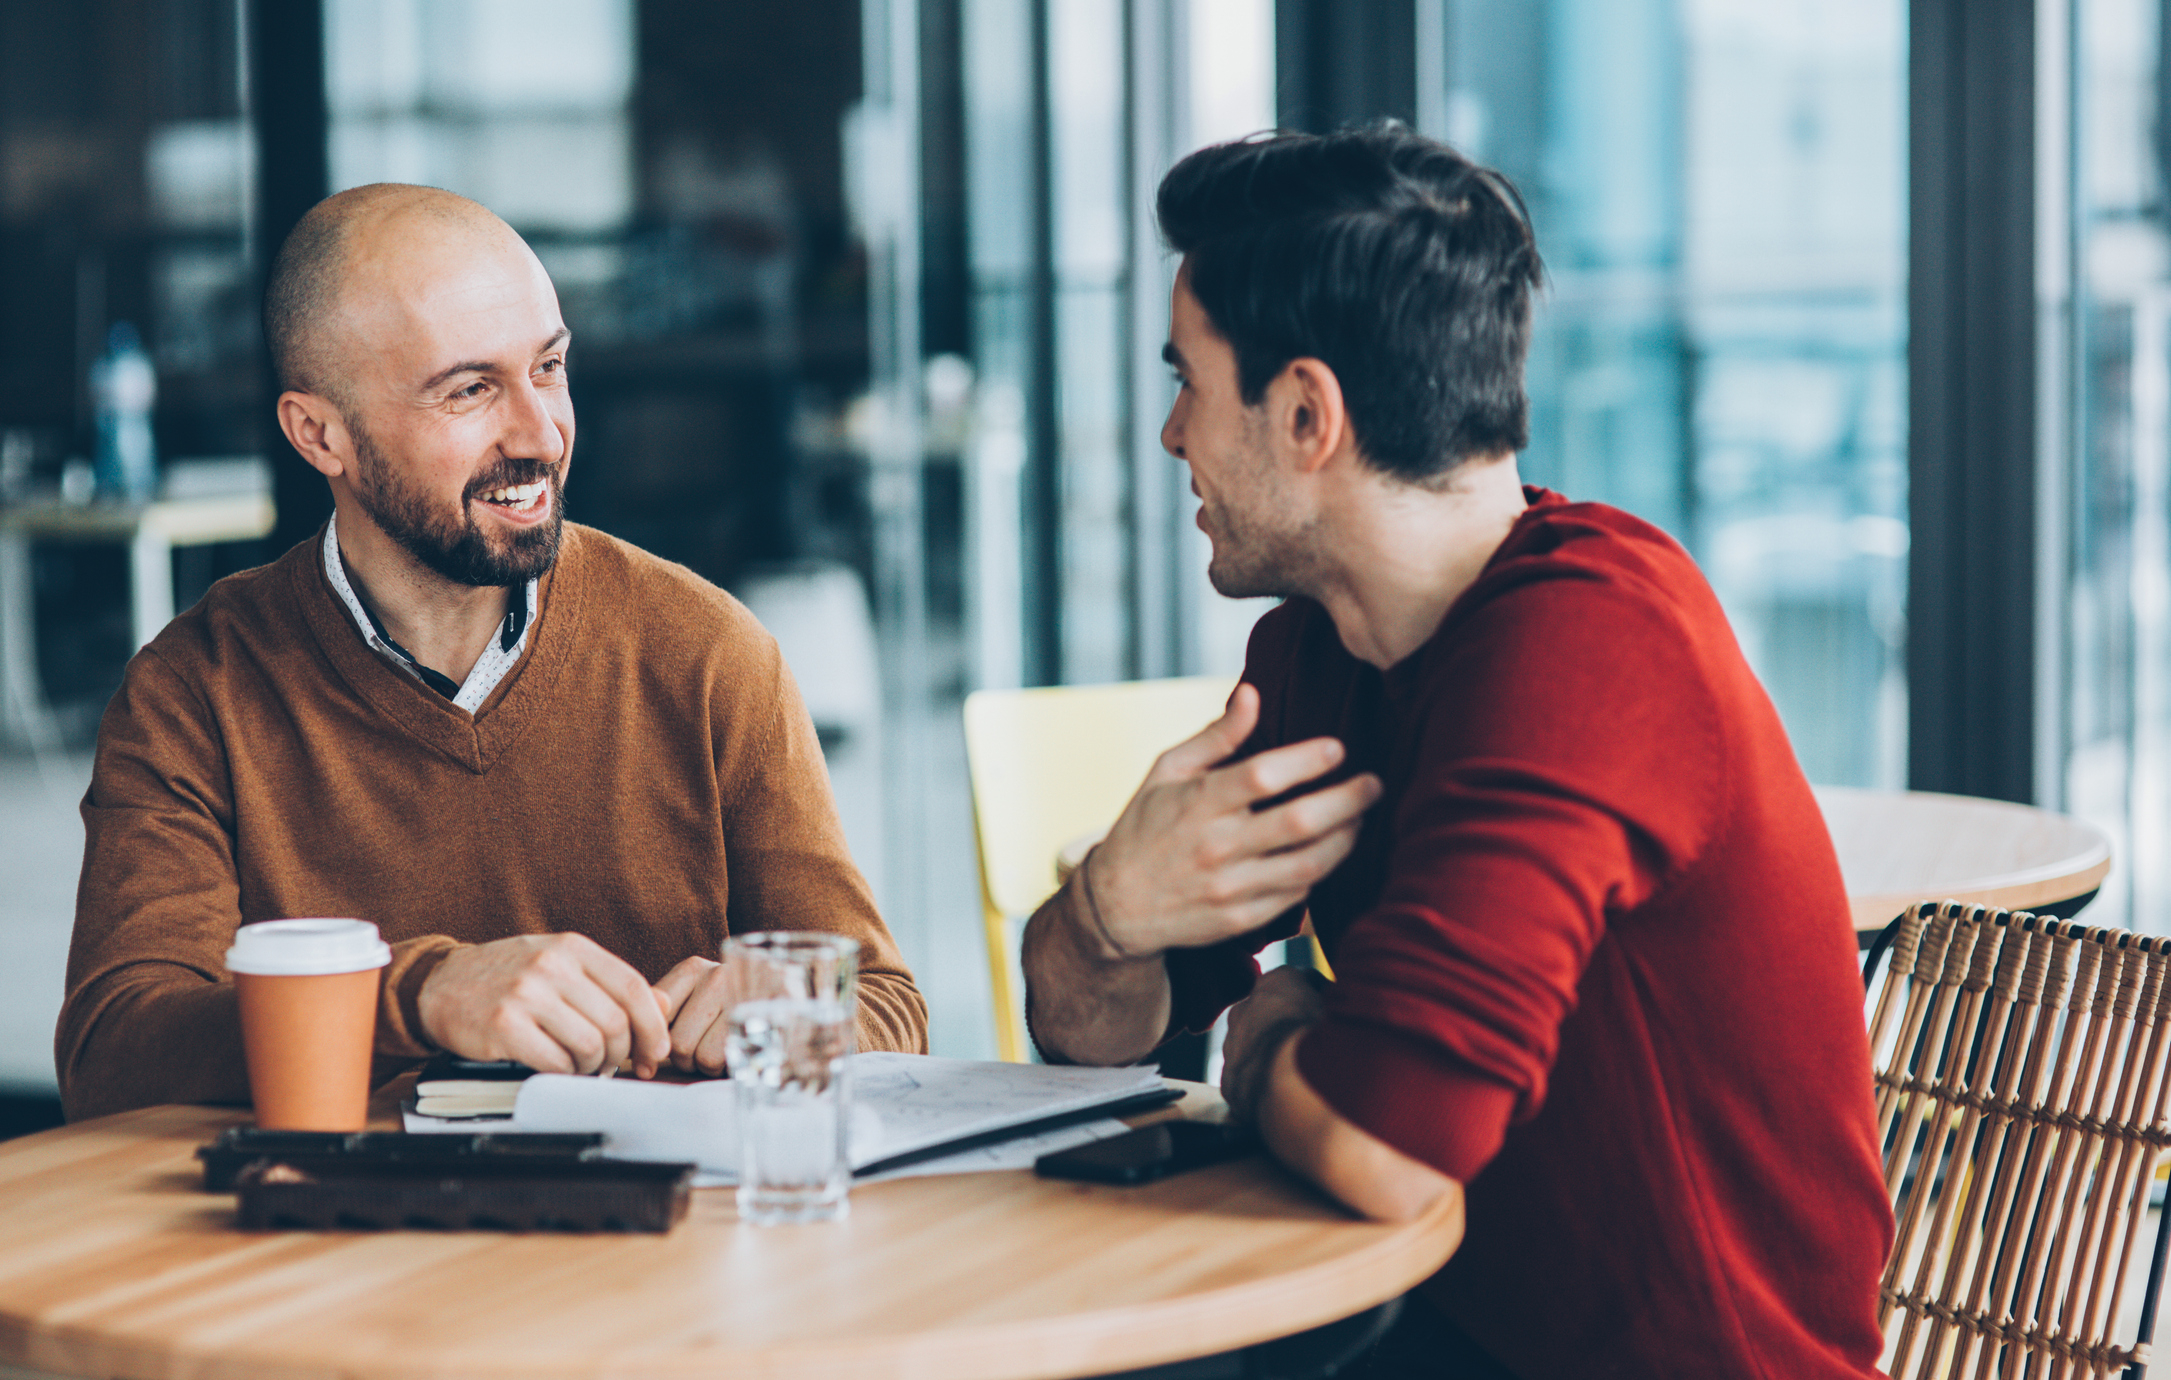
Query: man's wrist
{"points": [[406, 983], [1254, 1080], [1099, 938]]}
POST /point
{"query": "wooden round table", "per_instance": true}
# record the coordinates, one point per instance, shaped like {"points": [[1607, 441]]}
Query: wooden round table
{"points": [[1899, 847], [117, 1264]]}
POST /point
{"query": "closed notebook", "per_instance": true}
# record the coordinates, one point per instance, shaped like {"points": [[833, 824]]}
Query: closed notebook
{"points": [[459, 1097], [456, 1088]]}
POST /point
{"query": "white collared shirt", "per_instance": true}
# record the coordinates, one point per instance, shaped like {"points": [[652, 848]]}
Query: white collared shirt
{"points": [[497, 658]]}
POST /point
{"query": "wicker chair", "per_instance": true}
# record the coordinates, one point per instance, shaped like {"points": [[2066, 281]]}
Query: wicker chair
{"points": [[2021, 1096]]}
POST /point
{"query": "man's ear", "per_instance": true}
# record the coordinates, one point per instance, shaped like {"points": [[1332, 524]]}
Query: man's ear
{"points": [[1309, 415], [316, 430]]}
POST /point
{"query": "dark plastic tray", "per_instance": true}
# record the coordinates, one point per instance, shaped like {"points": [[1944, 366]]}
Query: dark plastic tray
{"points": [[486, 1194], [323, 1152]]}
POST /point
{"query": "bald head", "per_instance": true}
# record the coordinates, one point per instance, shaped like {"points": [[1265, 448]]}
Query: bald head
{"points": [[342, 238]]}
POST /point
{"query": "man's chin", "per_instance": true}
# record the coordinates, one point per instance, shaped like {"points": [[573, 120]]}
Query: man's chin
{"points": [[1231, 582], [475, 560], [529, 555]]}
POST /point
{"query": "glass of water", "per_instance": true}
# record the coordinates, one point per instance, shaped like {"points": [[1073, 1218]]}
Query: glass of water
{"points": [[792, 998]]}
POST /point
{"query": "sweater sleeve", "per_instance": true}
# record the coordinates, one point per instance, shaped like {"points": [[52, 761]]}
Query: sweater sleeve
{"points": [[149, 1015], [1204, 982], [1569, 765], [791, 868]]}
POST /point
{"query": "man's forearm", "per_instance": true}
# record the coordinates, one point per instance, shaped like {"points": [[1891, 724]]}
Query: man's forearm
{"points": [[1087, 1004], [146, 1035], [892, 1014], [1365, 1173]]}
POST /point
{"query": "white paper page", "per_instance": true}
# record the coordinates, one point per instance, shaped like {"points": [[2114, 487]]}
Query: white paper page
{"points": [[901, 1103], [925, 1101]]}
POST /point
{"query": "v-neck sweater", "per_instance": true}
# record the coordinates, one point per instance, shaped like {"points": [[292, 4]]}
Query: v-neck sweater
{"points": [[646, 775]]}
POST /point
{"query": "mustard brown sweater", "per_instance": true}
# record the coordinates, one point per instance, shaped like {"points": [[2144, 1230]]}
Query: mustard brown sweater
{"points": [[646, 776]]}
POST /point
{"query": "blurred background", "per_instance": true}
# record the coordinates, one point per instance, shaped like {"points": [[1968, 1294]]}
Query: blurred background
{"points": [[868, 306]]}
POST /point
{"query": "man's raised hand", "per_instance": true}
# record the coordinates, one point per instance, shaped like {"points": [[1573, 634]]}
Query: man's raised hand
{"points": [[1191, 862], [559, 1003]]}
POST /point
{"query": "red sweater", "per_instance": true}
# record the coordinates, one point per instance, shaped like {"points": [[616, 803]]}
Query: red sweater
{"points": [[1594, 962]]}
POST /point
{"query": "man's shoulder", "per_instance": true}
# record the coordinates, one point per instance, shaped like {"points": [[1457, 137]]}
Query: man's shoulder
{"points": [[1595, 576], [250, 615], [665, 608], [242, 647], [1560, 538]]}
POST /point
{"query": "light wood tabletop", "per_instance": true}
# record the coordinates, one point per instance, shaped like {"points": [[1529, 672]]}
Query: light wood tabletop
{"points": [[1899, 847], [116, 1264]]}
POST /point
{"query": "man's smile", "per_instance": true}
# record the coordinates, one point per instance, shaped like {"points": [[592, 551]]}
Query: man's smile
{"points": [[530, 501]]}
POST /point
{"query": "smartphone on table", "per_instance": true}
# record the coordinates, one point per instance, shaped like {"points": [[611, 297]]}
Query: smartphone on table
{"points": [[1149, 1153]]}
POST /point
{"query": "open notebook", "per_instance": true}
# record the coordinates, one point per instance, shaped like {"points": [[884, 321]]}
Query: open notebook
{"points": [[906, 1108]]}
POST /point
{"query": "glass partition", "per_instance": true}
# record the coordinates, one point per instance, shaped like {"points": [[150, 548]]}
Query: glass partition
{"points": [[1719, 191], [2106, 215], [1084, 564]]}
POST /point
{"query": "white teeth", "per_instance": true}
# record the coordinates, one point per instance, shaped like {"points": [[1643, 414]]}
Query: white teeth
{"points": [[516, 495]]}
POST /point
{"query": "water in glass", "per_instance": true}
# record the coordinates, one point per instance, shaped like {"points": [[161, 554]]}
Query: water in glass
{"points": [[787, 1057]]}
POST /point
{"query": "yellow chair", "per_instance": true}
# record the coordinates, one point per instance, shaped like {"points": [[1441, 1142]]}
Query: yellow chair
{"points": [[1049, 766]]}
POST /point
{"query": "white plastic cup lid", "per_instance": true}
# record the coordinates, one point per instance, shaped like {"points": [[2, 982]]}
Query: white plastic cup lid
{"points": [[306, 948]]}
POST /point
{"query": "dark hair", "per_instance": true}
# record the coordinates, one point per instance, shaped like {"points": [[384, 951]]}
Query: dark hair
{"points": [[1403, 266]]}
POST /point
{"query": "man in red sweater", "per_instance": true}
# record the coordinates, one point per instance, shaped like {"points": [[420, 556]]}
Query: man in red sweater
{"points": [[1595, 974]]}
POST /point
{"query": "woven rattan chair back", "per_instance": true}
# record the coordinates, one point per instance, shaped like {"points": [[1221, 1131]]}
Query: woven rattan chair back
{"points": [[2021, 1080]]}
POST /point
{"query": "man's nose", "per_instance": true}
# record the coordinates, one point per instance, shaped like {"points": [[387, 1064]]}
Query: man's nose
{"points": [[532, 431], [1172, 431]]}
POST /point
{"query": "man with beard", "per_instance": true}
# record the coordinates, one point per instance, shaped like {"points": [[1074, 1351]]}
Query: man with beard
{"points": [[552, 769], [1594, 974]]}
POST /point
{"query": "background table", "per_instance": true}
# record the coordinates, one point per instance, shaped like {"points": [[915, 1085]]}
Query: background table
{"points": [[1899, 847], [150, 531], [116, 1264]]}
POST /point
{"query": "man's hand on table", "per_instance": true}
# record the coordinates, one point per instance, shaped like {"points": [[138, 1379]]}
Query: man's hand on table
{"points": [[699, 1001], [559, 1003], [1192, 861]]}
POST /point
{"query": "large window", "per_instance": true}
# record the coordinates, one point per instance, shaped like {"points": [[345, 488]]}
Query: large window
{"points": [[1085, 566], [2104, 92], [1719, 191]]}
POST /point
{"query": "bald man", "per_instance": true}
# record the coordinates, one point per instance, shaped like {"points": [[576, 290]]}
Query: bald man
{"points": [[554, 770]]}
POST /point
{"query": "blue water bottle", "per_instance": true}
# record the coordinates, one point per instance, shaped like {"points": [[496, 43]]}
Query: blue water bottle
{"points": [[123, 387]]}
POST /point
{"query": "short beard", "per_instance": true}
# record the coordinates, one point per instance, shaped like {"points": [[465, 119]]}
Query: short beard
{"points": [[1258, 566], [1253, 558], [457, 549]]}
